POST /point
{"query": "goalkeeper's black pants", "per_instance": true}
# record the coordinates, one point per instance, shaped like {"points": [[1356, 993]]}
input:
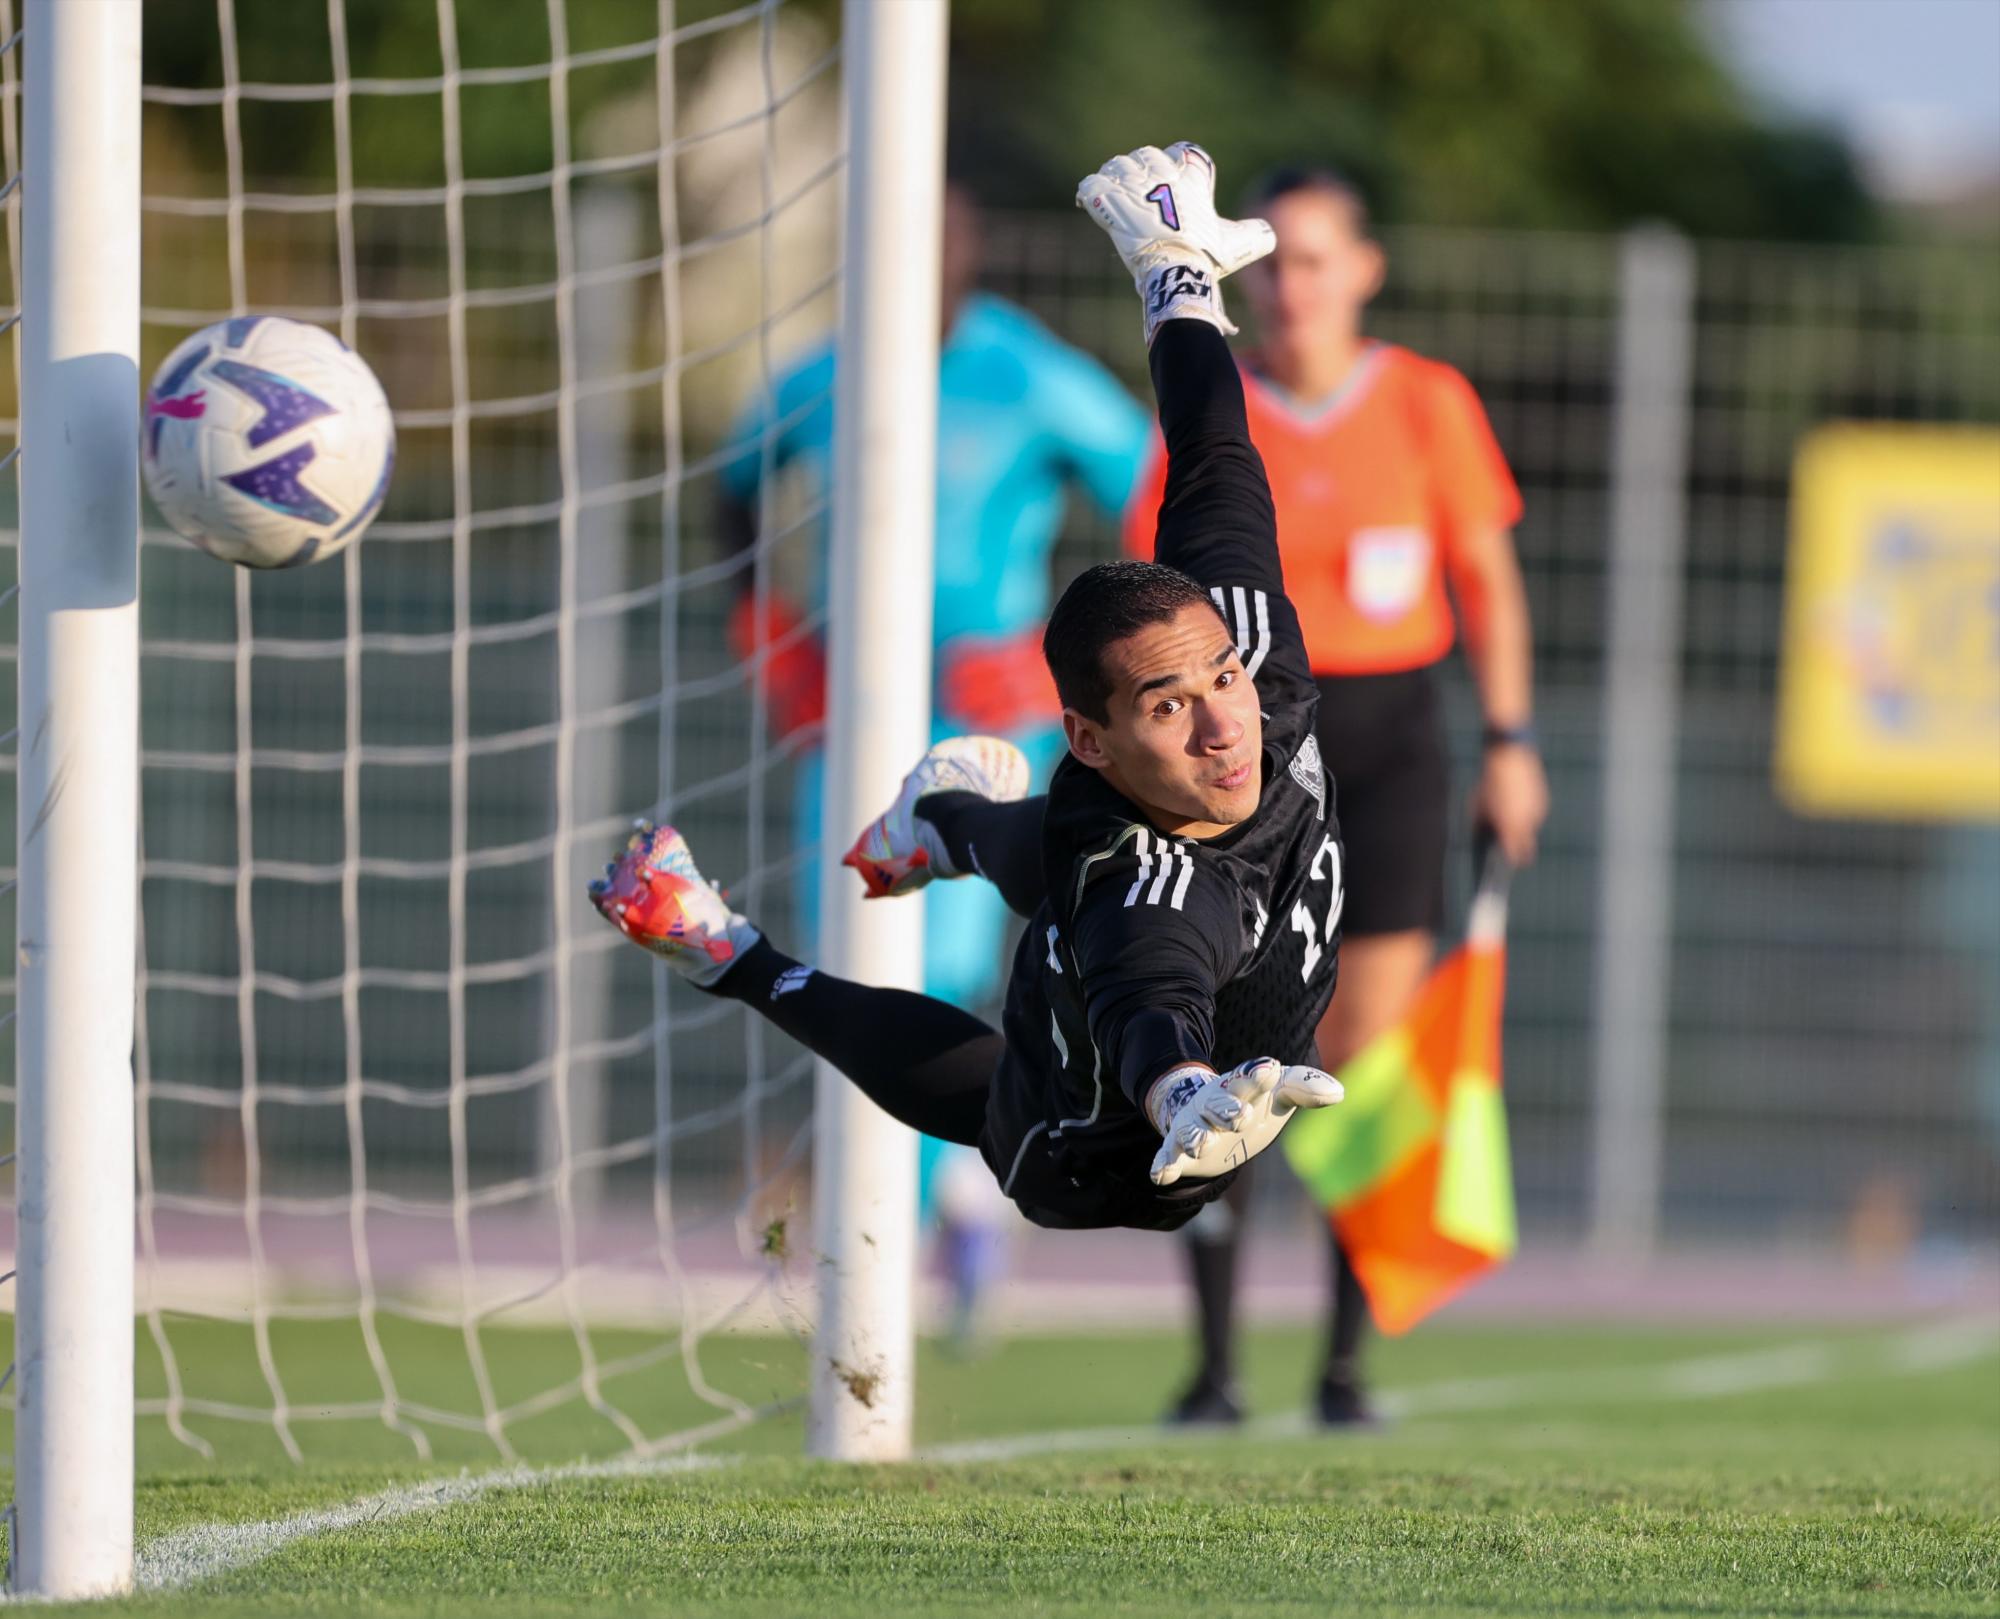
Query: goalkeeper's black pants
{"points": [[922, 1061]]}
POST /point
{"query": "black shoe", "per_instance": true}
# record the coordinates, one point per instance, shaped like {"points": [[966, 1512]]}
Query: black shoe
{"points": [[1205, 1404], [1342, 1404]]}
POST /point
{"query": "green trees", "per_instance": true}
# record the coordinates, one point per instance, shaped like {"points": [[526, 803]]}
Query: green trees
{"points": [[1533, 113], [1550, 113]]}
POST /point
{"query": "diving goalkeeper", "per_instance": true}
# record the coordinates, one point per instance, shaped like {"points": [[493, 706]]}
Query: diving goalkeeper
{"points": [[1183, 873]]}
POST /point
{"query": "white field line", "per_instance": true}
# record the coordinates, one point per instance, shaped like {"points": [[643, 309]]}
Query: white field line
{"points": [[190, 1555], [1929, 1348], [1949, 1343], [186, 1556]]}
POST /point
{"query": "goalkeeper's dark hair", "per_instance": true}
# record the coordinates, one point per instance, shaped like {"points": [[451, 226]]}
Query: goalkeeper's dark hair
{"points": [[1293, 179], [1105, 604]]}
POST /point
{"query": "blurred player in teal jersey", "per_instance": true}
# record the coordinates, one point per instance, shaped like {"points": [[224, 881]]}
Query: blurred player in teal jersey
{"points": [[1022, 419]]}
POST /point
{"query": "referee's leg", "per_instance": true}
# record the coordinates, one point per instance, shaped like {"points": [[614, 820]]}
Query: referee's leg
{"points": [[1383, 739]]}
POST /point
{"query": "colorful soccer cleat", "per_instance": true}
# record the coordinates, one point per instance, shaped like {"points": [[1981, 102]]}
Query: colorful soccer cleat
{"points": [[655, 896], [899, 851]]}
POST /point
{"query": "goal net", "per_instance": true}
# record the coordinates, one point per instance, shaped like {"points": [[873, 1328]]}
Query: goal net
{"points": [[431, 1164]]}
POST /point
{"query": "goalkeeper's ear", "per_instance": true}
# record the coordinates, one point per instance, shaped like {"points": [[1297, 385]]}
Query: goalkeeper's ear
{"points": [[1085, 738]]}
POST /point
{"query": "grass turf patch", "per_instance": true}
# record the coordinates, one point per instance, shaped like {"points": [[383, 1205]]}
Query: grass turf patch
{"points": [[1596, 1485]]}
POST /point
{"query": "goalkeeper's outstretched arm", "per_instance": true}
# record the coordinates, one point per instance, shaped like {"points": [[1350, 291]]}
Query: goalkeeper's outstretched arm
{"points": [[1151, 973], [1217, 522], [1151, 977]]}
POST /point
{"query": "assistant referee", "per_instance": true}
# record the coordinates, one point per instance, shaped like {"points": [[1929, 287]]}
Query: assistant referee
{"points": [[1389, 489]]}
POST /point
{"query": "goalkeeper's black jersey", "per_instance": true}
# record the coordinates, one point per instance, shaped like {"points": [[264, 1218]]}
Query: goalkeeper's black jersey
{"points": [[1152, 950]]}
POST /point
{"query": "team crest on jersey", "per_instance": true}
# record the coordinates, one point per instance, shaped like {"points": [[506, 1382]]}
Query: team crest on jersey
{"points": [[1310, 774]]}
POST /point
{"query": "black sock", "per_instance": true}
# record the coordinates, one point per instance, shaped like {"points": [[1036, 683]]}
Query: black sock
{"points": [[920, 1060], [1212, 1268], [1347, 1320], [1000, 842], [752, 978], [1214, 1238]]}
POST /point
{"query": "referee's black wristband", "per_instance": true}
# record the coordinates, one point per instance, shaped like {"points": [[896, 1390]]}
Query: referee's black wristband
{"points": [[1520, 736]]}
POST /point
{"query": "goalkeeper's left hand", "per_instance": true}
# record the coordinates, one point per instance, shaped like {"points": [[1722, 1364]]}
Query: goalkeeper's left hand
{"points": [[1213, 1123], [1159, 208]]}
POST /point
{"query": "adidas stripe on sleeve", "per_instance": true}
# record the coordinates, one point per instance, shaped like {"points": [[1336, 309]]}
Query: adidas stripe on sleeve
{"points": [[1248, 615], [1166, 867], [1155, 937]]}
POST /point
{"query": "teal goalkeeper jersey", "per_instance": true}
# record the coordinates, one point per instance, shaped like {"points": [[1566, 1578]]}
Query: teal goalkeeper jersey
{"points": [[1021, 416]]}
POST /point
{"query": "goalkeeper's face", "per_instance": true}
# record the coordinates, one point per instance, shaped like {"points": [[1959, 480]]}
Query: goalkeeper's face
{"points": [[1182, 737]]}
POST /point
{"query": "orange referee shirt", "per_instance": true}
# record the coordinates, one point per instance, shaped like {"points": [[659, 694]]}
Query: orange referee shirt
{"points": [[1376, 490]]}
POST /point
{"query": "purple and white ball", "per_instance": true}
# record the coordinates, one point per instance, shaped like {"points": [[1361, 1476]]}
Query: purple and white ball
{"points": [[267, 442]]}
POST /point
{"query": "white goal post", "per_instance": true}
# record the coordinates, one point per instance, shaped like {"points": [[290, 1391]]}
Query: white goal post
{"points": [[103, 1000], [884, 514], [78, 748]]}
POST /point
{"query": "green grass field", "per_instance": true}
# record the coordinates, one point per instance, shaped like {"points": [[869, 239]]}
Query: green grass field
{"points": [[1530, 1472]]}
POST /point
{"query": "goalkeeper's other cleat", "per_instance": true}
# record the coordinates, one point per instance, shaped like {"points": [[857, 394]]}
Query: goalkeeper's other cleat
{"points": [[899, 851], [653, 894], [1212, 1123], [1159, 209]]}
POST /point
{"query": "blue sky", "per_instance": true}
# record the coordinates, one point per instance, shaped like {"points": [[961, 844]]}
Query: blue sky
{"points": [[1914, 83]]}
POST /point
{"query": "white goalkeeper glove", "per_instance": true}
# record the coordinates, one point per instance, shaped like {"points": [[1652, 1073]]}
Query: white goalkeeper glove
{"points": [[1159, 208], [1213, 1123]]}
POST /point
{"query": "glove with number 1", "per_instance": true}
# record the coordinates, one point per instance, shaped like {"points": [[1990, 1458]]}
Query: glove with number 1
{"points": [[1159, 208]]}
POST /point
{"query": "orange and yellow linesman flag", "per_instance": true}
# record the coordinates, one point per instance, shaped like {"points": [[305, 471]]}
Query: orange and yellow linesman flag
{"points": [[1413, 1166]]}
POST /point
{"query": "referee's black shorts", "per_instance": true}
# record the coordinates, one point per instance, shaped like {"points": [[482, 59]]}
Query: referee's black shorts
{"points": [[1382, 738]]}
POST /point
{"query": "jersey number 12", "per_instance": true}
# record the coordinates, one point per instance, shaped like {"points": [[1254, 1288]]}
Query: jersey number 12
{"points": [[1303, 919]]}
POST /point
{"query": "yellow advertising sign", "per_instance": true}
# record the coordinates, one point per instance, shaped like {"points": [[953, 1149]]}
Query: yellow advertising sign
{"points": [[1889, 693]]}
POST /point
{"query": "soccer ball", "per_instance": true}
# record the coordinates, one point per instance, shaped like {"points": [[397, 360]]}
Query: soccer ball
{"points": [[267, 442]]}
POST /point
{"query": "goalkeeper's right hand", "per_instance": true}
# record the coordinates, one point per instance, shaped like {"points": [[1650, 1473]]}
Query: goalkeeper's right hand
{"points": [[1159, 208], [1212, 1123]]}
